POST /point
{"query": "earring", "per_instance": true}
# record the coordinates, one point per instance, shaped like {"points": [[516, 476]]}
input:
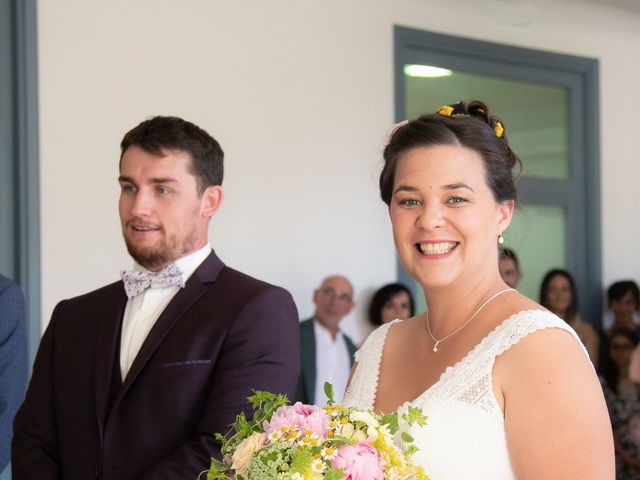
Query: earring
{"points": [[500, 239]]}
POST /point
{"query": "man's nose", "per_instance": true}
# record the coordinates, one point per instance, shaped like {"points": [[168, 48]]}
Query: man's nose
{"points": [[142, 203]]}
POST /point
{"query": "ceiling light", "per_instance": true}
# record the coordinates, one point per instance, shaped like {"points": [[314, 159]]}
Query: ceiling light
{"points": [[426, 71]]}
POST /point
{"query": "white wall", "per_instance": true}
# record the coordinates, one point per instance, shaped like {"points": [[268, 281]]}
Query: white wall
{"points": [[300, 94]]}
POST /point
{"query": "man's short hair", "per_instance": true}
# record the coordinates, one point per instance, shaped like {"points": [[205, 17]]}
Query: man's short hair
{"points": [[159, 134]]}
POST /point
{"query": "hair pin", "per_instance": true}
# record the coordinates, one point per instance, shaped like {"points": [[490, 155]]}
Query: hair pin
{"points": [[445, 110]]}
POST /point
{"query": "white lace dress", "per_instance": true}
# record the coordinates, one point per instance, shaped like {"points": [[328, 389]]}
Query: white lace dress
{"points": [[464, 437]]}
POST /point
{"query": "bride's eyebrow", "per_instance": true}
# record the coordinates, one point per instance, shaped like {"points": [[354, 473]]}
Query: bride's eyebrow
{"points": [[455, 186], [405, 188]]}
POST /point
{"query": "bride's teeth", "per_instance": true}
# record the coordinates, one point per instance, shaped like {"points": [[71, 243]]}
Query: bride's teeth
{"points": [[436, 248]]}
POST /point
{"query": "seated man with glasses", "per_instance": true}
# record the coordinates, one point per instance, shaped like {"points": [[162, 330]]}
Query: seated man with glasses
{"points": [[327, 353]]}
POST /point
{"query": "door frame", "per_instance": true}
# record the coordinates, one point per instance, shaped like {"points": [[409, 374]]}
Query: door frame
{"points": [[579, 194]]}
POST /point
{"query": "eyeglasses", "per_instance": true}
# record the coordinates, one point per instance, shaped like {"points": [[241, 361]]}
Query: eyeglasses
{"points": [[331, 294]]}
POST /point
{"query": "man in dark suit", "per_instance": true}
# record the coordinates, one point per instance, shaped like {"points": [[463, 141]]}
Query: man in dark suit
{"points": [[327, 353], [132, 380], [13, 361]]}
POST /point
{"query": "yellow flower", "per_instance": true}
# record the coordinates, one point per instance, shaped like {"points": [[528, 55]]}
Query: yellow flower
{"points": [[317, 466], [242, 456], [328, 452], [499, 129], [445, 110]]}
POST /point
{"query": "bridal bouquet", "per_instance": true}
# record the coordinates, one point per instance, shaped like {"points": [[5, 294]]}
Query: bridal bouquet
{"points": [[305, 442]]}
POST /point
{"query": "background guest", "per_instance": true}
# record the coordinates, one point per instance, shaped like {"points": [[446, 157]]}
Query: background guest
{"points": [[509, 267], [13, 361], [391, 301], [326, 352], [558, 294], [623, 400], [623, 302]]}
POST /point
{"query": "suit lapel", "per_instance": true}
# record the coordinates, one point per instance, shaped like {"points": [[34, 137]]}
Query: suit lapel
{"points": [[195, 288], [109, 317]]}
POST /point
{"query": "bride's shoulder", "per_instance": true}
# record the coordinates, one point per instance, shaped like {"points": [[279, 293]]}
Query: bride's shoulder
{"points": [[386, 336], [534, 337]]}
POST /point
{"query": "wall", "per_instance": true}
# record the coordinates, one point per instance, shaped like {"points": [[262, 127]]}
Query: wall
{"points": [[300, 94]]}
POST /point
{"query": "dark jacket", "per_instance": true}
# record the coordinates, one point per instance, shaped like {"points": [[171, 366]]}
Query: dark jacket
{"points": [[307, 382], [221, 336]]}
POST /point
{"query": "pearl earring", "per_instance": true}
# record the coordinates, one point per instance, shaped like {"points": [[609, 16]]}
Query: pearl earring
{"points": [[500, 239]]}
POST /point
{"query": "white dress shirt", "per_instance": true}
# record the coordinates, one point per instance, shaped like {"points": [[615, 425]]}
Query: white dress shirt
{"points": [[142, 311], [332, 363]]}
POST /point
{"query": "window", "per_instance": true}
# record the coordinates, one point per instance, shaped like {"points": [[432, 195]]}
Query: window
{"points": [[549, 103]]}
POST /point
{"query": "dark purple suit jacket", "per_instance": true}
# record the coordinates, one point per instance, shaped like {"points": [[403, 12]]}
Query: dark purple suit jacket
{"points": [[221, 336]]}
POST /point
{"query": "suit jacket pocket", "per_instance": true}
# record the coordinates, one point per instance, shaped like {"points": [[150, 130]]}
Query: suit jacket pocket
{"points": [[186, 367]]}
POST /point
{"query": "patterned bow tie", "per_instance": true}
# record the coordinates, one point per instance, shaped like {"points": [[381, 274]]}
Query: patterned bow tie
{"points": [[137, 282]]}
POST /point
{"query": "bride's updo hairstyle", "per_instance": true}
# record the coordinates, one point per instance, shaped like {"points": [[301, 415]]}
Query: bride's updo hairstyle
{"points": [[469, 126]]}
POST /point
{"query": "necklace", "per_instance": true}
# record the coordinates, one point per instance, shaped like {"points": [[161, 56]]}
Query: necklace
{"points": [[435, 346]]}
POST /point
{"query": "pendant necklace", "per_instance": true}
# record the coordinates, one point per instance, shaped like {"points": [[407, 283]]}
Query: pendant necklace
{"points": [[435, 346]]}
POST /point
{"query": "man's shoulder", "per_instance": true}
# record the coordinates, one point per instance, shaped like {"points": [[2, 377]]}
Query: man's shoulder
{"points": [[9, 287], [243, 285], [107, 293], [348, 340], [307, 324]]}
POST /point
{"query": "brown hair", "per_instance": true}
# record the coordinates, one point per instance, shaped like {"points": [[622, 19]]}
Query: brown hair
{"points": [[159, 134], [458, 124]]}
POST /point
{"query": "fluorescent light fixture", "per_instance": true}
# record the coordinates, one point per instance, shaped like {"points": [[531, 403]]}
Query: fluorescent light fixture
{"points": [[426, 71]]}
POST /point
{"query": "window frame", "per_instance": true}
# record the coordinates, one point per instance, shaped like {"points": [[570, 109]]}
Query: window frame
{"points": [[579, 193]]}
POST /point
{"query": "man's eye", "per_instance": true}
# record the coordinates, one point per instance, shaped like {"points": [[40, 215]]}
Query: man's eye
{"points": [[129, 189], [162, 190]]}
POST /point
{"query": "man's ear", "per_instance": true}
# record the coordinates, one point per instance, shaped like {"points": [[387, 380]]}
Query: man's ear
{"points": [[211, 200]]}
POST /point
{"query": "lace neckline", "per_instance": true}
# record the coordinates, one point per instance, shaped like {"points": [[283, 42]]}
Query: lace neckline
{"points": [[447, 372]]}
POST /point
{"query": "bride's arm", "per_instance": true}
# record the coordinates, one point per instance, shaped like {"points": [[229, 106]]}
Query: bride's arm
{"points": [[556, 418]]}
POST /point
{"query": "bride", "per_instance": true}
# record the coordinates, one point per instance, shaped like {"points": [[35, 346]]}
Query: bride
{"points": [[507, 387]]}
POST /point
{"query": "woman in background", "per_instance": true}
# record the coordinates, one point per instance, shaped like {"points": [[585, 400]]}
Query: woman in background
{"points": [[390, 302], [558, 294], [623, 400], [623, 302]]}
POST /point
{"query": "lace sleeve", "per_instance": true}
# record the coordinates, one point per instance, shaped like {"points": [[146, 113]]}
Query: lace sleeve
{"points": [[529, 321]]}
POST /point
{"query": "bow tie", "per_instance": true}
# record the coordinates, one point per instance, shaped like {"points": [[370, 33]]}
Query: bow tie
{"points": [[137, 282]]}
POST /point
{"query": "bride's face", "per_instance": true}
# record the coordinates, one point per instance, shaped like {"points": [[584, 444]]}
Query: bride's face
{"points": [[445, 218]]}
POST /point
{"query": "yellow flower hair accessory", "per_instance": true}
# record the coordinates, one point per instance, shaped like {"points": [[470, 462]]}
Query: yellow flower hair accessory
{"points": [[499, 129], [445, 110]]}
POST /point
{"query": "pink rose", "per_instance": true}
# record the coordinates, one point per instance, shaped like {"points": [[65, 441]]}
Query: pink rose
{"points": [[359, 462], [305, 417]]}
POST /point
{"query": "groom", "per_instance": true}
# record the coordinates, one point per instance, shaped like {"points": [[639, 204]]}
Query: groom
{"points": [[132, 380]]}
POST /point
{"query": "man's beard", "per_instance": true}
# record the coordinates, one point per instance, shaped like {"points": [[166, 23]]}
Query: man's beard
{"points": [[163, 253]]}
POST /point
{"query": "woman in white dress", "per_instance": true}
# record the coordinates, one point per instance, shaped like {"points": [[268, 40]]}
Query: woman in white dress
{"points": [[507, 387]]}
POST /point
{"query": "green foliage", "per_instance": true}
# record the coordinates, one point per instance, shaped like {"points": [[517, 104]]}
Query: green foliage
{"points": [[415, 415], [264, 404], [328, 391], [301, 460], [333, 474], [410, 450], [216, 470], [406, 437], [391, 421]]}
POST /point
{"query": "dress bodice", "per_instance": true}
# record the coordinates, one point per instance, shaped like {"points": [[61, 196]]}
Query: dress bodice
{"points": [[465, 435]]}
